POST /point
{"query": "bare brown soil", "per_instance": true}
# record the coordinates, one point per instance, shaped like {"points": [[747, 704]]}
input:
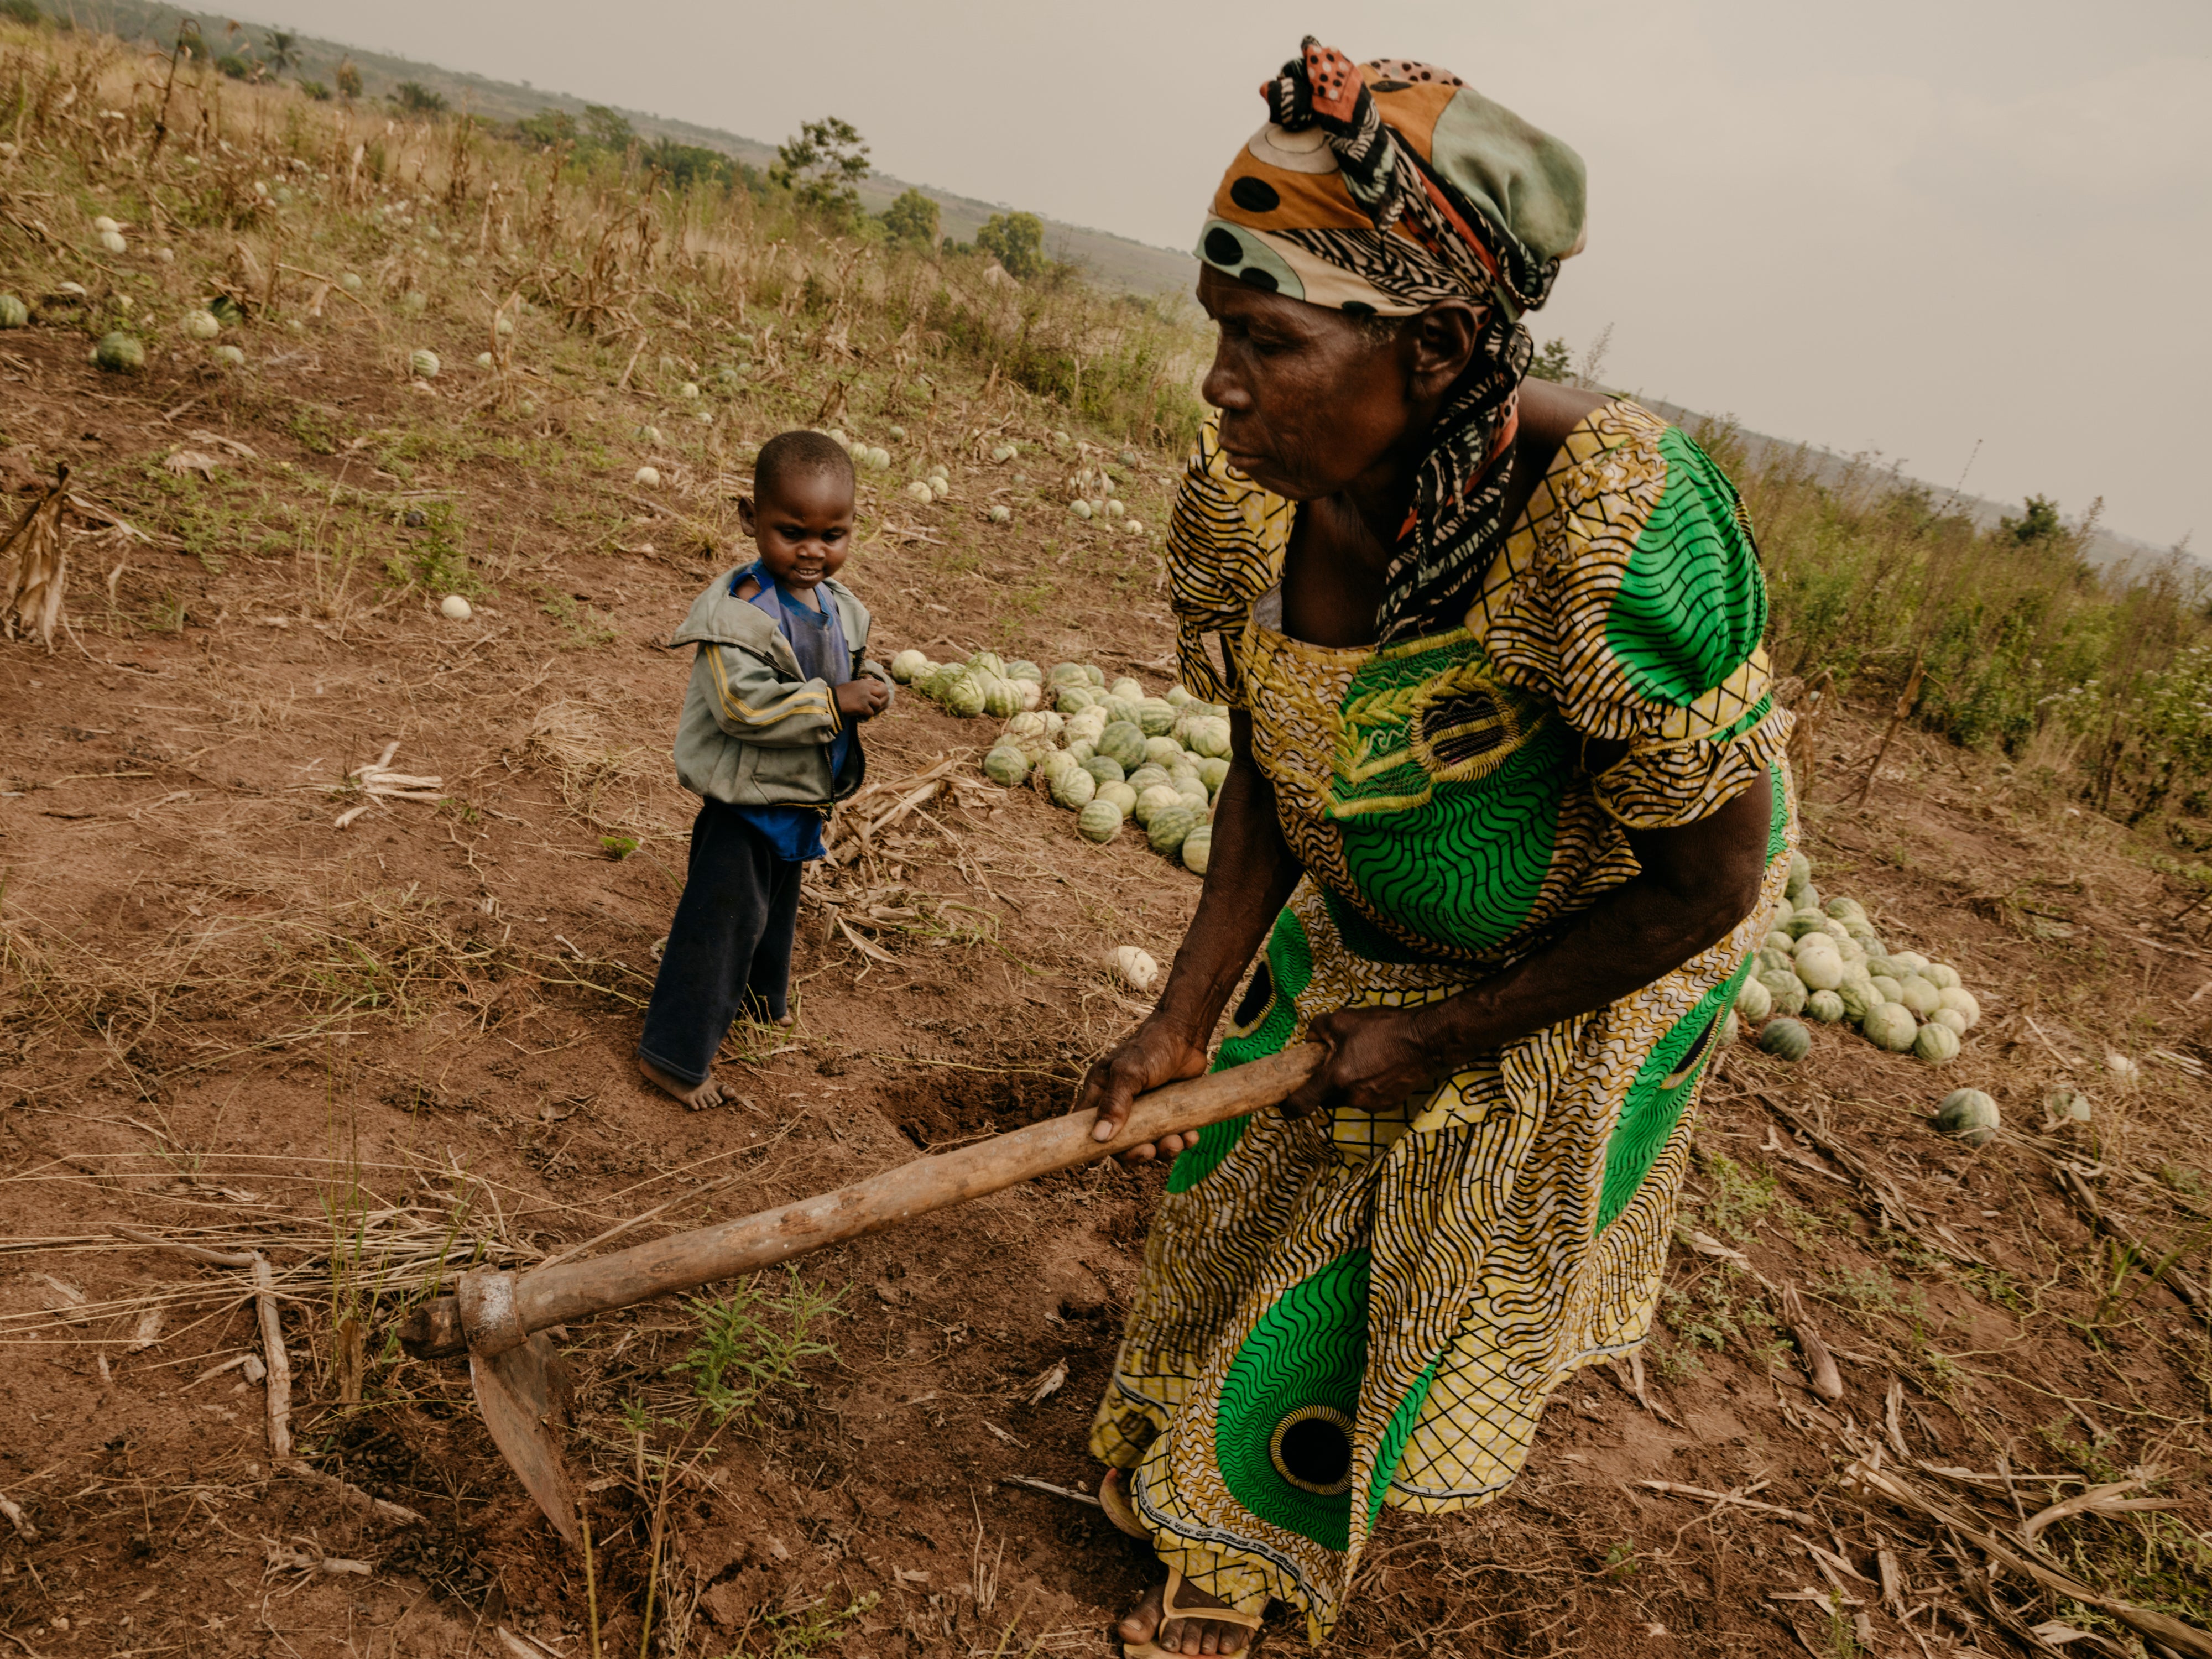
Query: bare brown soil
{"points": [[225, 1018]]}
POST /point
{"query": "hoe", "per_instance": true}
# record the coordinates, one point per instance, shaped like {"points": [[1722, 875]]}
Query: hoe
{"points": [[499, 1319]]}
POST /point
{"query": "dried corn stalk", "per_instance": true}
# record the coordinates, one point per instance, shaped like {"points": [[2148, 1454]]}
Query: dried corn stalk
{"points": [[33, 569]]}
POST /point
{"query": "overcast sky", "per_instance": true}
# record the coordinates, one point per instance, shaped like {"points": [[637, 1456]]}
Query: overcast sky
{"points": [[1899, 225]]}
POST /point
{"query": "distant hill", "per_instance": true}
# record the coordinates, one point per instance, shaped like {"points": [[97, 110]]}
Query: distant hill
{"points": [[2104, 547], [1112, 262]]}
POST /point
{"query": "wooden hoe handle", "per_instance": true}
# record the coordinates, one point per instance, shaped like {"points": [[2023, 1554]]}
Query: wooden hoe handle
{"points": [[495, 1311]]}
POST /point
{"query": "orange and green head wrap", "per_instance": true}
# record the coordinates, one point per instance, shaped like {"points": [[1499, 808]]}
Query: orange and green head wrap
{"points": [[1381, 189]]}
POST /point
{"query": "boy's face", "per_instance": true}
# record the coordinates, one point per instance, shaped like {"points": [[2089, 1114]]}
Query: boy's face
{"points": [[803, 526]]}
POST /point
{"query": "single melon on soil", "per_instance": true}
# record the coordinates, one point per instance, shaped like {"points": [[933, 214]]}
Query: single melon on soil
{"points": [[1785, 1039], [1825, 1006], [1104, 768], [1075, 788], [1154, 800], [1197, 848], [907, 664], [1786, 990], [1125, 741], [1170, 825], [1101, 821], [1969, 1116]]}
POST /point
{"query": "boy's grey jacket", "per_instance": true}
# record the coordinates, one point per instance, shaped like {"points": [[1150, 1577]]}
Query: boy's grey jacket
{"points": [[754, 732]]}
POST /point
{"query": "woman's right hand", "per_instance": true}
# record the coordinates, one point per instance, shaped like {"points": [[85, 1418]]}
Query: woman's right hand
{"points": [[1158, 1052]]}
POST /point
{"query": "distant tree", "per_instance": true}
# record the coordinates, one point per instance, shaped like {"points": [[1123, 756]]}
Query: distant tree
{"points": [[547, 128], [608, 129], [1553, 362], [24, 12], [316, 90], [687, 165], [349, 80], [1016, 240], [237, 68], [822, 165], [415, 99], [283, 49], [2039, 523], [912, 218]]}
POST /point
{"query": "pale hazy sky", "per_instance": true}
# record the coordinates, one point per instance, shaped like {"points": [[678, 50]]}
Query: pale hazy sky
{"points": [[1901, 225]]}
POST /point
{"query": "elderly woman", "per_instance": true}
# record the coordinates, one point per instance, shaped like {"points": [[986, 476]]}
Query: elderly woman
{"points": [[1507, 787]]}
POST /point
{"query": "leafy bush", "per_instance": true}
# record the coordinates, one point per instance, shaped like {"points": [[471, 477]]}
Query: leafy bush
{"points": [[1016, 240], [415, 99], [912, 218]]}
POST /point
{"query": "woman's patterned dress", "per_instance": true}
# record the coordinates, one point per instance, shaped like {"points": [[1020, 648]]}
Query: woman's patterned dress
{"points": [[1341, 1313]]}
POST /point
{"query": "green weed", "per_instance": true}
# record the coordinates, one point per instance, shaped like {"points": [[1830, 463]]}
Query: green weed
{"points": [[584, 628], [433, 561]]}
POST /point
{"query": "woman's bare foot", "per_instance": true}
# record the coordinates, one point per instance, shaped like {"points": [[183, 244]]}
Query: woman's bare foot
{"points": [[1182, 1635], [698, 1097]]}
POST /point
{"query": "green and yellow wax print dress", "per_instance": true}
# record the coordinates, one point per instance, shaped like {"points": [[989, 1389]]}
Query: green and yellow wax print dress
{"points": [[1341, 1313]]}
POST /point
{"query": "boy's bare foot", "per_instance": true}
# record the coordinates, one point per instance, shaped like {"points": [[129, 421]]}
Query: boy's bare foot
{"points": [[1180, 1635], [698, 1097]]}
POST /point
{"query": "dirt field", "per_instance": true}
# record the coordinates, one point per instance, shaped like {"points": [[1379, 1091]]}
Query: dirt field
{"points": [[365, 1051]]}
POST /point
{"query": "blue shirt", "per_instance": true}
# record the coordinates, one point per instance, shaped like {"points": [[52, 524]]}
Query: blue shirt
{"points": [[817, 640]]}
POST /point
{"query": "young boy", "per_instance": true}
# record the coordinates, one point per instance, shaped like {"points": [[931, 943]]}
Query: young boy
{"points": [[768, 739]]}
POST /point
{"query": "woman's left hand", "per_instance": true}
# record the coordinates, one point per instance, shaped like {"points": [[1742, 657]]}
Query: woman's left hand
{"points": [[1377, 1059]]}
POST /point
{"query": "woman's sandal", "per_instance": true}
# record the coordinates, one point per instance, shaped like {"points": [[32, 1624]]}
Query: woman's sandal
{"points": [[1114, 1498], [1170, 1611]]}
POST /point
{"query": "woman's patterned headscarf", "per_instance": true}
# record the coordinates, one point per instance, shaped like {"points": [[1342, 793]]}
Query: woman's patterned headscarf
{"points": [[1378, 190]]}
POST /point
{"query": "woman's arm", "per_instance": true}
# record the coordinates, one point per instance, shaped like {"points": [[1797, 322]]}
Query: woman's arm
{"points": [[1248, 879], [1696, 882]]}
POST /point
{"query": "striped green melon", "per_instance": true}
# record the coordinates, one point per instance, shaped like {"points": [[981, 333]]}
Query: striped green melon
{"points": [[1163, 751], [1801, 869], [1095, 674], [966, 697], [1961, 1002], [1099, 821], [1056, 762], [1889, 1026], [1213, 772], [1144, 777], [120, 353], [1950, 1019], [1777, 940], [1911, 959], [1006, 765], [1126, 689], [1104, 768], [1079, 749], [1120, 795], [907, 664], [1968, 1115], [1858, 999], [1002, 699], [1936, 1044], [1754, 1001], [1825, 1006], [1806, 897], [1124, 742], [1158, 799], [1156, 715], [1730, 1031], [1843, 909], [1168, 827], [989, 662], [1941, 975], [1787, 990], [1075, 699], [1023, 669], [1781, 961], [1075, 788], [1175, 695], [1122, 708], [1803, 922], [1785, 1039], [1197, 848], [1066, 674], [1887, 988]]}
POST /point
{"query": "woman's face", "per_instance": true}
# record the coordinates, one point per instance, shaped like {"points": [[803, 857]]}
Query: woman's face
{"points": [[1311, 402]]}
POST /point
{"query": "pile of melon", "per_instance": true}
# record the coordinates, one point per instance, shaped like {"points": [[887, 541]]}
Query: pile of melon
{"points": [[1109, 754], [1824, 960], [984, 684]]}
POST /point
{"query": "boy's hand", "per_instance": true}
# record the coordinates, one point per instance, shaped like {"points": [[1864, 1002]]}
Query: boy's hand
{"points": [[861, 698]]}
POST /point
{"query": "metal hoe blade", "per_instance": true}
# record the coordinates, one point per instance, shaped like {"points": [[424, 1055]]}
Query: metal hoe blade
{"points": [[520, 1395]]}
